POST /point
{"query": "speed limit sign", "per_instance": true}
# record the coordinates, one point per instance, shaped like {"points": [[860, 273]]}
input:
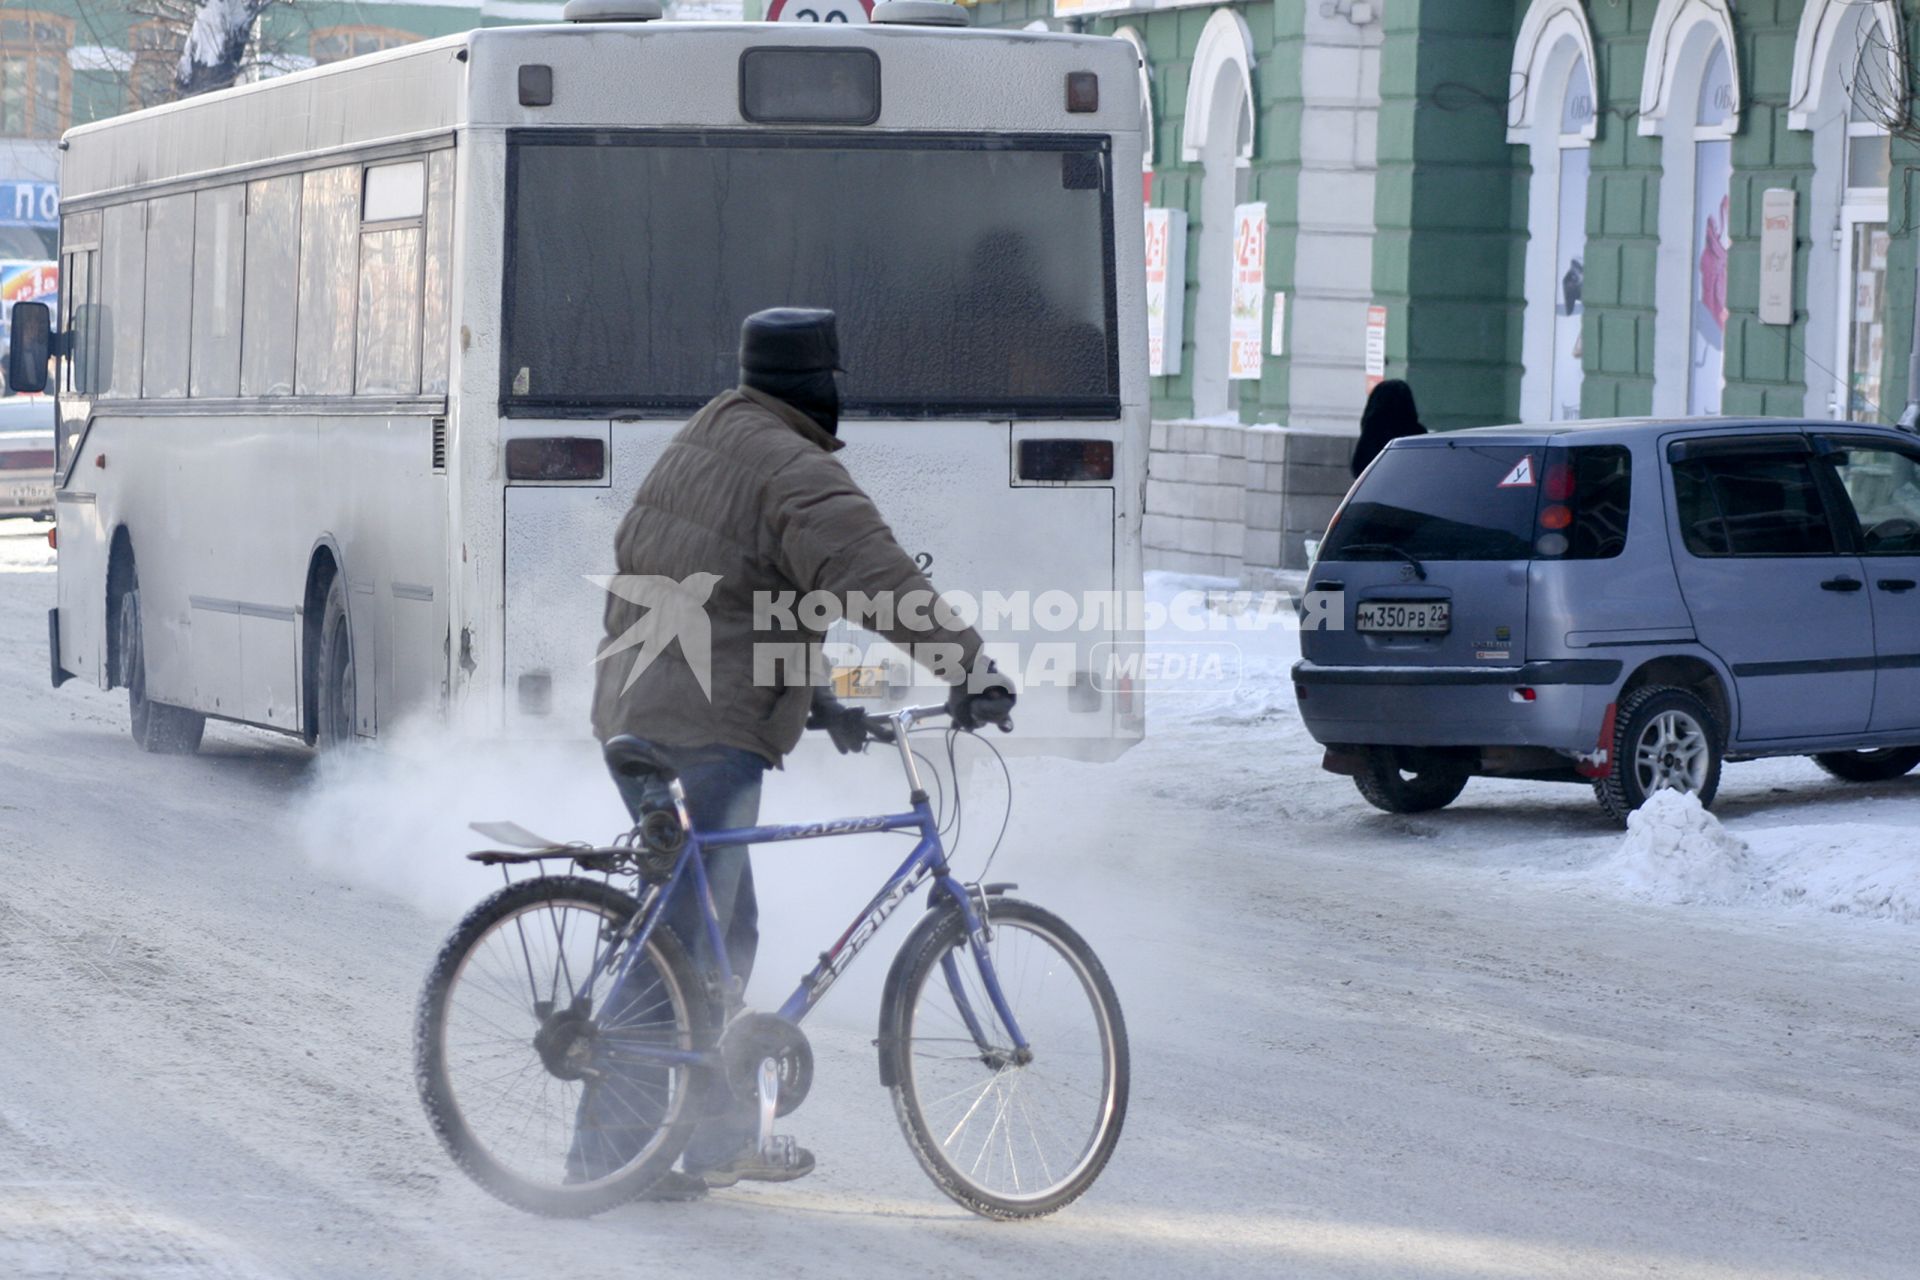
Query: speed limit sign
{"points": [[819, 10]]}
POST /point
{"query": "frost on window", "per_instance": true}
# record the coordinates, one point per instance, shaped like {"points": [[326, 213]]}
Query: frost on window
{"points": [[389, 313], [273, 245], [329, 239], [123, 294], [169, 304], [436, 309], [218, 240]]}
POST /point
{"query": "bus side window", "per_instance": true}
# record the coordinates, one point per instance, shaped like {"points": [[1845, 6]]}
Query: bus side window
{"points": [[435, 309], [123, 287], [387, 357]]}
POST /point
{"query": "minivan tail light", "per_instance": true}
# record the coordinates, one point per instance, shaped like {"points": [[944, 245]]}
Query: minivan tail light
{"points": [[556, 458], [1062, 461]]}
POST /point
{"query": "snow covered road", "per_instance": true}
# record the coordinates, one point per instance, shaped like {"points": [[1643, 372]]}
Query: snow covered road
{"points": [[1363, 1046]]}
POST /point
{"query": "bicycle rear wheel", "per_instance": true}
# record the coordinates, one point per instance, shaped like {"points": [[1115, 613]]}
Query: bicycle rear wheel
{"points": [[536, 1091], [1009, 1139]]}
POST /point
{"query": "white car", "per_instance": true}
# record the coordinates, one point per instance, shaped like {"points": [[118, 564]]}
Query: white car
{"points": [[26, 457]]}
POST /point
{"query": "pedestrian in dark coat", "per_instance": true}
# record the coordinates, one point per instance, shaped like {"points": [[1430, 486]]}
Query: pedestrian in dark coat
{"points": [[1390, 414]]}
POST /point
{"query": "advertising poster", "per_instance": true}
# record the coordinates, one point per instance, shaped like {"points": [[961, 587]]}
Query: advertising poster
{"points": [[26, 282], [1246, 339], [1712, 239], [1166, 289], [1376, 346]]}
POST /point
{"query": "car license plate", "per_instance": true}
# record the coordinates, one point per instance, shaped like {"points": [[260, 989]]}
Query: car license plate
{"points": [[31, 491], [1405, 617], [859, 682]]}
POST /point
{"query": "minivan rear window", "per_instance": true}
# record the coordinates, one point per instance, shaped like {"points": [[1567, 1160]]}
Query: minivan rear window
{"points": [[1445, 502]]}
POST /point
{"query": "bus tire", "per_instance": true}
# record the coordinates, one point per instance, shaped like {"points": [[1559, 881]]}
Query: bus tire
{"points": [[336, 705], [156, 726]]}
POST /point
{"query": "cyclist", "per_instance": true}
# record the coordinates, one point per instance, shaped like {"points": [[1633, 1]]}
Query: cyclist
{"points": [[747, 502]]}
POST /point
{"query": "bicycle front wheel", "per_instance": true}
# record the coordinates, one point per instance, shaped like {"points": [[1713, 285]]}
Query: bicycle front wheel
{"points": [[535, 1073], [1009, 1138]]}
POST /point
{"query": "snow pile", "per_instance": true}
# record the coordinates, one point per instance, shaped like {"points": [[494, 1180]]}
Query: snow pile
{"points": [[1675, 851]]}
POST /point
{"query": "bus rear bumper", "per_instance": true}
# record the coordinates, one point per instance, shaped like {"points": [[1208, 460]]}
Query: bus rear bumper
{"points": [[60, 674]]}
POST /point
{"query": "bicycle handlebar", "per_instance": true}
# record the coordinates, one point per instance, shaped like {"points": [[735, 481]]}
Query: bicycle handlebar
{"points": [[884, 727]]}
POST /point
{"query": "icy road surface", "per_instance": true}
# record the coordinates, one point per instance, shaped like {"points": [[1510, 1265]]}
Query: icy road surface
{"points": [[1363, 1046]]}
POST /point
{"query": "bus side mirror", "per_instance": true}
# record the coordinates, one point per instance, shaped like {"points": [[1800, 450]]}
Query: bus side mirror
{"points": [[30, 346]]}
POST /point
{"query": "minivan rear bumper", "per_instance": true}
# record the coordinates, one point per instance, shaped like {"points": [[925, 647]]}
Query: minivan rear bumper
{"points": [[1458, 706]]}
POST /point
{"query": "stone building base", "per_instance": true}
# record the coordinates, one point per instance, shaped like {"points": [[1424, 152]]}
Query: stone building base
{"points": [[1240, 502]]}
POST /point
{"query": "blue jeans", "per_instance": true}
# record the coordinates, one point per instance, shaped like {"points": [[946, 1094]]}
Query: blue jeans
{"points": [[618, 1115]]}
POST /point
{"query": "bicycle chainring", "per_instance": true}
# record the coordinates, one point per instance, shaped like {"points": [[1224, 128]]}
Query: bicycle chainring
{"points": [[752, 1038]]}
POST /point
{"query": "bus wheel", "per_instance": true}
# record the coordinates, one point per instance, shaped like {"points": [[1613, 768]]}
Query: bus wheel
{"points": [[156, 726], [336, 704]]}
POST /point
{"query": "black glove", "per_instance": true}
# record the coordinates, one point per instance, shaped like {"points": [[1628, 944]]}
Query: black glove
{"points": [[846, 725], [981, 700]]}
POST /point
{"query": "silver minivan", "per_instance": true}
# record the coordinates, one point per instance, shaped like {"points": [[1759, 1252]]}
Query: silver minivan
{"points": [[1626, 603]]}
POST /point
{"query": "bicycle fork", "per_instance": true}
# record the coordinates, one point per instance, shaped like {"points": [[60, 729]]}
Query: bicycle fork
{"points": [[978, 938]]}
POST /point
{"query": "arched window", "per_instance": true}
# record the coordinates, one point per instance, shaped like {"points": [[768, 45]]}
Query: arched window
{"points": [[1847, 61], [1552, 111], [333, 44], [1690, 97], [1218, 133]]}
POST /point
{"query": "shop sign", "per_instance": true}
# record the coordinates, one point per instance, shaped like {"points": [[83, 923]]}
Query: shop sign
{"points": [[1376, 346], [1166, 289], [1776, 256], [1246, 339], [29, 204]]}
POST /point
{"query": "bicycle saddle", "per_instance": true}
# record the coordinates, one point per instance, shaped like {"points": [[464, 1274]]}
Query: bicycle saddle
{"points": [[632, 757]]}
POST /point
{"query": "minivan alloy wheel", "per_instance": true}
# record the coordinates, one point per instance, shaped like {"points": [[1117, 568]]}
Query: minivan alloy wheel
{"points": [[1665, 738], [1672, 754]]}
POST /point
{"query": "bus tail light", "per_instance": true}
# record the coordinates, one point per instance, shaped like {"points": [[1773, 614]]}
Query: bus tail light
{"points": [[1061, 461], [1083, 92], [556, 458]]}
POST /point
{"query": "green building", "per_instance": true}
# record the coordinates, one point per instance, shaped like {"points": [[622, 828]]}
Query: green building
{"points": [[1532, 209]]}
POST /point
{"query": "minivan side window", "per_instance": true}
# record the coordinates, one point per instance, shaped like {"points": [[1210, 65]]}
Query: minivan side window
{"points": [[1883, 486], [1759, 504], [1584, 503]]}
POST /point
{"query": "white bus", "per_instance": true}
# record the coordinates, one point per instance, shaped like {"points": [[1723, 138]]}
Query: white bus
{"points": [[360, 367]]}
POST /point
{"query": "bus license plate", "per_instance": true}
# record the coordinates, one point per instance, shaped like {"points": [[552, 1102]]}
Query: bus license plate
{"points": [[1405, 617], [859, 682]]}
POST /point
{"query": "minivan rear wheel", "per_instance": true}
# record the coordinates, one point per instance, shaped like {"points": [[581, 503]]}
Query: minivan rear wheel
{"points": [[1399, 783], [1881, 765], [1664, 739]]}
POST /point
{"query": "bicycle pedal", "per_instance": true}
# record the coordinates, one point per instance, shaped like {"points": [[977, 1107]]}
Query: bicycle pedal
{"points": [[780, 1151]]}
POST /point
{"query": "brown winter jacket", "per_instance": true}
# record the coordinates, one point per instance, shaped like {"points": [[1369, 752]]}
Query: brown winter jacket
{"points": [[749, 490]]}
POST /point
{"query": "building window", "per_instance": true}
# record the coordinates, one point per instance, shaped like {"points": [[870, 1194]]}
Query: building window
{"points": [[1218, 134], [1554, 113], [34, 77], [1690, 98], [336, 43], [1712, 235], [1848, 58], [1863, 241]]}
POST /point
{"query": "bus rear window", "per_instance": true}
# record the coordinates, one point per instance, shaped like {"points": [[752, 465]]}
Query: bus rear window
{"points": [[972, 275], [1441, 502]]}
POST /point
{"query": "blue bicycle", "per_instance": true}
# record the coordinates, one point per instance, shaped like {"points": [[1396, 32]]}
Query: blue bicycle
{"points": [[566, 1044]]}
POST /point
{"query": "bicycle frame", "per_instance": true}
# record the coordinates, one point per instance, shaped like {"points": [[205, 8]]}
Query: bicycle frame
{"points": [[928, 860]]}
